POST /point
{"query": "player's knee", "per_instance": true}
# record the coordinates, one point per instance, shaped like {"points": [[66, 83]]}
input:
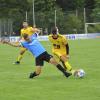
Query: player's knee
{"points": [[53, 61], [63, 58]]}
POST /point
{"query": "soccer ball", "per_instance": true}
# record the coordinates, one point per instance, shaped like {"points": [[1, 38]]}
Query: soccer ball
{"points": [[80, 73]]}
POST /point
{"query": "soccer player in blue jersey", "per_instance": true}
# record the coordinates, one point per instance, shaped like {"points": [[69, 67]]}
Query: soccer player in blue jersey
{"points": [[39, 52]]}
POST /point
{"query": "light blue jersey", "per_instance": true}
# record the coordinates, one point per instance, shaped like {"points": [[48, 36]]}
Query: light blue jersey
{"points": [[34, 46]]}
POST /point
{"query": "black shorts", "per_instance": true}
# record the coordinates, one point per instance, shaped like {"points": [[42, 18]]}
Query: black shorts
{"points": [[39, 61]]}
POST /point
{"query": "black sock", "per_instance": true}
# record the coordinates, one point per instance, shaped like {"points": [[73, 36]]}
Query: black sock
{"points": [[64, 65], [17, 61], [33, 75], [63, 70]]}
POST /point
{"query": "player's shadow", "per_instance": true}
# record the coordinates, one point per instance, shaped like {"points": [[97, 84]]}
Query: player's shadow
{"points": [[52, 77]]}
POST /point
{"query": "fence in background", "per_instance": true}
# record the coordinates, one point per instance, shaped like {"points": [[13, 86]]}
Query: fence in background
{"points": [[69, 36]]}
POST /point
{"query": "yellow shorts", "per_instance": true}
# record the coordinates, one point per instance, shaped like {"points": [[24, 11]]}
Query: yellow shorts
{"points": [[22, 49], [58, 54]]}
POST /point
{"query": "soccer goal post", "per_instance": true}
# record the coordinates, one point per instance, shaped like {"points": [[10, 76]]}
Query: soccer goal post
{"points": [[87, 24]]}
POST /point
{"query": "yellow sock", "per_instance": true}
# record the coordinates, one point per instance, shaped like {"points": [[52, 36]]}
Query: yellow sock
{"points": [[68, 66], [19, 58], [73, 71]]}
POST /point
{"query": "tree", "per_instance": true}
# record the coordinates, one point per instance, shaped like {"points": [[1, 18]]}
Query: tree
{"points": [[96, 11], [8, 6], [73, 24], [14, 10], [90, 4], [70, 4], [94, 28]]}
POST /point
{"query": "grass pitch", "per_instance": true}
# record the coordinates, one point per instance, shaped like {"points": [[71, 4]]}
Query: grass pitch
{"points": [[51, 84]]}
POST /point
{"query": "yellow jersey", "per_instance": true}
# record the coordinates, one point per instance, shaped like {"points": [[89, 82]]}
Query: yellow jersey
{"points": [[29, 30], [58, 45]]}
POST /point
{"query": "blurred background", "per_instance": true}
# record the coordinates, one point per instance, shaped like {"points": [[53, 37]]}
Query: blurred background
{"points": [[70, 16]]}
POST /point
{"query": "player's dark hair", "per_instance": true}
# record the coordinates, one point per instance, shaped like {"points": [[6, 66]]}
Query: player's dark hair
{"points": [[54, 30], [25, 21]]}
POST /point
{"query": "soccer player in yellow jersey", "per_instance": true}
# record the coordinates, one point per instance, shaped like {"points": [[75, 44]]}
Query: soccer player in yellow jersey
{"points": [[60, 48], [25, 30]]}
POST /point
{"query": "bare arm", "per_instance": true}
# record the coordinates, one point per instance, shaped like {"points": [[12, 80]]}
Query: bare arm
{"points": [[65, 41], [67, 49], [36, 30], [11, 44]]}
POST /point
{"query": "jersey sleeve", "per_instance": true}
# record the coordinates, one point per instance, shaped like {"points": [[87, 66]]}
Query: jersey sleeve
{"points": [[31, 29], [34, 30], [21, 32]]}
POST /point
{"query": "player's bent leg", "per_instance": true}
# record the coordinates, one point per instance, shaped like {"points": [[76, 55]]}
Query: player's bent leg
{"points": [[67, 66], [63, 58], [36, 73], [53, 61], [38, 70], [20, 56], [65, 63]]}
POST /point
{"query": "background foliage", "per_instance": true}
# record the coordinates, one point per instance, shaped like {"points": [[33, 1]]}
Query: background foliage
{"points": [[69, 14]]}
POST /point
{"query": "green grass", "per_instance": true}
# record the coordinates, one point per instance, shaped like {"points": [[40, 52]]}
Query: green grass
{"points": [[51, 84]]}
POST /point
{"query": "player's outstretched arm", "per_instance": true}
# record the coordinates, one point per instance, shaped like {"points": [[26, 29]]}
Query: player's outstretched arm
{"points": [[11, 44], [36, 30]]}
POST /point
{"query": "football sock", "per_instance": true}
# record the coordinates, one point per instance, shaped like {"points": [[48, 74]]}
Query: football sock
{"points": [[19, 58], [60, 68], [68, 66], [63, 70], [73, 71], [64, 65], [33, 75]]}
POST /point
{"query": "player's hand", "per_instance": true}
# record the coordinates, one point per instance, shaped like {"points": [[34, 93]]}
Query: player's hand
{"points": [[1, 41], [4, 41]]}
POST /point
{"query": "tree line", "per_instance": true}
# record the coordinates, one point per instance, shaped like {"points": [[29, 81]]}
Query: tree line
{"points": [[70, 18]]}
